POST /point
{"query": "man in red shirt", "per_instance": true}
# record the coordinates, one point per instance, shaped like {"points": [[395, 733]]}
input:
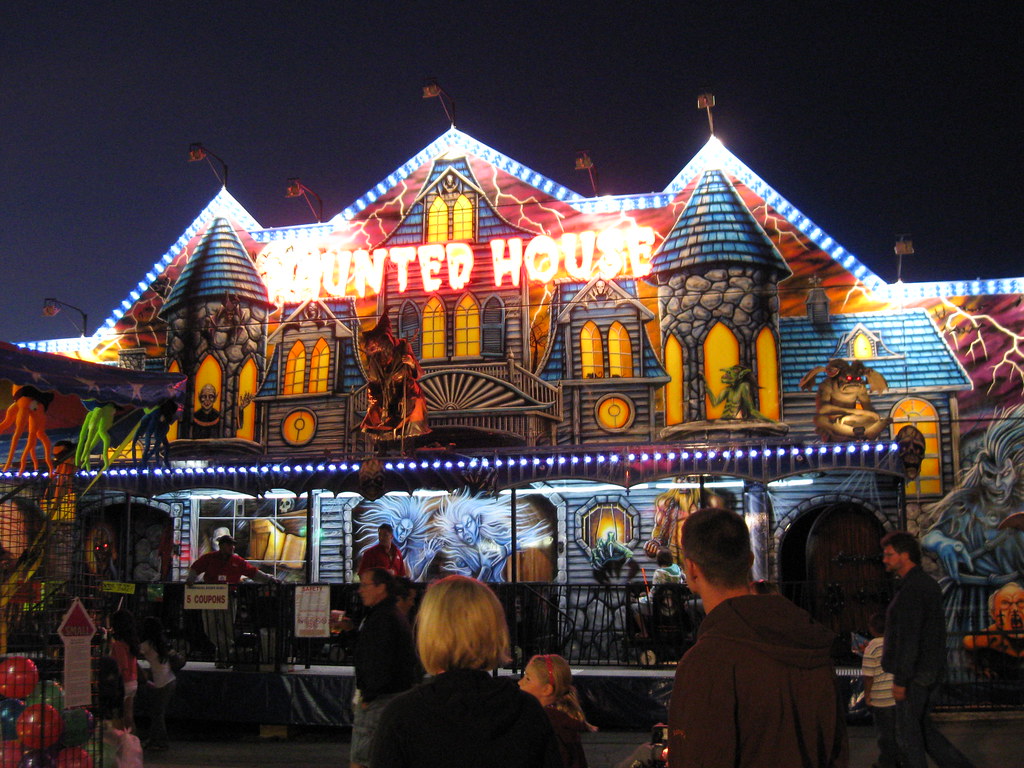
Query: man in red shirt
{"points": [[385, 554], [223, 567]]}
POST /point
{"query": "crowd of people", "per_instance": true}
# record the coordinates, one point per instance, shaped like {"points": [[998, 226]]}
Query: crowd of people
{"points": [[757, 688]]}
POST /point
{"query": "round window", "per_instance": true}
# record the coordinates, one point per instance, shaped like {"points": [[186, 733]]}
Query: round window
{"points": [[615, 412], [298, 427]]}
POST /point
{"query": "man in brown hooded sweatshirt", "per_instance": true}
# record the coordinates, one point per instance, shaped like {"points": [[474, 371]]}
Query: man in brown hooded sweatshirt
{"points": [[758, 688]]}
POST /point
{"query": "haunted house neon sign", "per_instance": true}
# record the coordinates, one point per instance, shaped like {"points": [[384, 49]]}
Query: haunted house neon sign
{"points": [[292, 274]]}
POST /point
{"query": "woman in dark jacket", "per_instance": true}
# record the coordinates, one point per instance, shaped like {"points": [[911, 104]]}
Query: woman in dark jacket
{"points": [[464, 716]]}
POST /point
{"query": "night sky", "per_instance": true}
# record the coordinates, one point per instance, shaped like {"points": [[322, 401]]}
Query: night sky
{"points": [[872, 122]]}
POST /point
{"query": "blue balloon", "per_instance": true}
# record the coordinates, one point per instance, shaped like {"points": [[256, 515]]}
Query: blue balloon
{"points": [[36, 758], [10, 710]]}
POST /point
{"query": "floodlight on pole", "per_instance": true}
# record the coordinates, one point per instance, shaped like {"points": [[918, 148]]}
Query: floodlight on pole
{"points": [[432, 90], [52, 307], [904, 247], [197, 152], [585, 163], [706, 101], [296, 188]]}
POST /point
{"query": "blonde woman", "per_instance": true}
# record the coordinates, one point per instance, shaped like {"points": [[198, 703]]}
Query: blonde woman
{"points": [[464, 716]]}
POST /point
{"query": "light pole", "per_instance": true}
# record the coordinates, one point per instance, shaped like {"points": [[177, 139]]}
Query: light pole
{"points": [[52, 306], [197, 152], [297, 189]]}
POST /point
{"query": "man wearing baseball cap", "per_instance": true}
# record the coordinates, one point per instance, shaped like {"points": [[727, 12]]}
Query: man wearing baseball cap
{"points": [[223, 567]]}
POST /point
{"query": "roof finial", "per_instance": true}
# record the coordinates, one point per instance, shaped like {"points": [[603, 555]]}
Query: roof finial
{"points": [[706, 100]]}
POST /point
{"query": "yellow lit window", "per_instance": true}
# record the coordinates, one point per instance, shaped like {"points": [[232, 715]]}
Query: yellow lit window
{"points": [[591, 352], [462, 219], [467, 327], [437, 221], [620, 352], [922, 415], [767, 375], [248, 383], [674, 357], [319, 367], [862, 347], [295, 369], [721, 350], [433, 330]]}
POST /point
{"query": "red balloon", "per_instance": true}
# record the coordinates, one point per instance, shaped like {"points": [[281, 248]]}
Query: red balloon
{"points": [[73, 757], [10, 754], [18, 676], [39, 726]]}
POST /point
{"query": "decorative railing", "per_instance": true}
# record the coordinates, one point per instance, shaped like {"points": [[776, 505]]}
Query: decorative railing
{"points": [[592, 626]]}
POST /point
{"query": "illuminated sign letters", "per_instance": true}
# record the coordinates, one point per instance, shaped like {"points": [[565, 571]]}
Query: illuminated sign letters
{"points": [[292, 275]]}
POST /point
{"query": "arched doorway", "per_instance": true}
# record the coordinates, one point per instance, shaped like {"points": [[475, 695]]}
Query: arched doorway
{"points": [[128, 541], [831, 556]]}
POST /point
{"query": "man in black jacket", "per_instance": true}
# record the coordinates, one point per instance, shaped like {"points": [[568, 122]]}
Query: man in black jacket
{"points": [[385, 660], [914, 652]]}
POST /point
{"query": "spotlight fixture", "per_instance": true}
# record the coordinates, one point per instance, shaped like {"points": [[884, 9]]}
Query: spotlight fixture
{"points": [[52, 306], [585, 163], [904, 247], [296, 188], [706, 100], [432, 90], [197, 152]]}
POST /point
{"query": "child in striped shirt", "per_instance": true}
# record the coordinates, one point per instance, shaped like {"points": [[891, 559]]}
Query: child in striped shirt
{"points": [[878, 694]]}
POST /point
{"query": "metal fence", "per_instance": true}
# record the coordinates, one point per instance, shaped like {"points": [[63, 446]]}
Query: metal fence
{"points": [[593, 626]]}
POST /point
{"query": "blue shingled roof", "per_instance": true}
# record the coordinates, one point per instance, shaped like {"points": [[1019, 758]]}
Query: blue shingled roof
{"points": [[219, 266], [912, 354], [715, 228]]}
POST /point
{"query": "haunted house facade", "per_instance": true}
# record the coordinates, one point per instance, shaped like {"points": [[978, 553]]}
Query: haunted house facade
{"points": [[592, 368]]}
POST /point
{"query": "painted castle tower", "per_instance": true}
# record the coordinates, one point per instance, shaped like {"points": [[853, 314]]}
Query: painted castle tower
{"points": [[216, 317]]}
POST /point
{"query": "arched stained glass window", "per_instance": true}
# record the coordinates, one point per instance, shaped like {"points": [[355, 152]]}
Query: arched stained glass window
{"points": [[295, 370], [320, 367], [721, 351], [462, 219], [433, 330], [437, 221], [591, 352], [674, 357], [467, 327], [620, 352], [768, 375]]}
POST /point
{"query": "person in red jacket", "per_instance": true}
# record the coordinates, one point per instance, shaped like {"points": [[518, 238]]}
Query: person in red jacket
{"points": [[223, 567], [758, 687], [384, 554]]}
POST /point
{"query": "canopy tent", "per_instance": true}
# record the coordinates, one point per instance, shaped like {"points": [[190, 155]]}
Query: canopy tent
{"points": [[87, 381], [70, 382]]}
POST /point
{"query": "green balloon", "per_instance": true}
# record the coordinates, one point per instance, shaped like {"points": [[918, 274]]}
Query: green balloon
{"points": [[47, 692], [78, 724]]}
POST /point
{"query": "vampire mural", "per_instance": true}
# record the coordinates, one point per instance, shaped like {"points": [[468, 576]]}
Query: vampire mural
{"points": [[511, 373]]}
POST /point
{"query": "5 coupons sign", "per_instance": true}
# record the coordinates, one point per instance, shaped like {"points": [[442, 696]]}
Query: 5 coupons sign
{"points": [[206, 597]]}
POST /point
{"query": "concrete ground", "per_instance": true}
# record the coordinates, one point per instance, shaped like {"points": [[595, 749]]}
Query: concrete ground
{"points": [[991, 741]]}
